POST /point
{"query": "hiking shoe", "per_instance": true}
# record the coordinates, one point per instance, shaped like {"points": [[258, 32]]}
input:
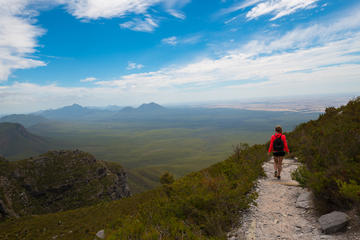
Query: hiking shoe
{"points": [[275, 174], [278, 177]]}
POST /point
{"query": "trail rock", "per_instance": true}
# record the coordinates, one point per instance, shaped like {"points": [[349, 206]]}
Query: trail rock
{"points": [[100, 234], [333, 222], [304, 200]]}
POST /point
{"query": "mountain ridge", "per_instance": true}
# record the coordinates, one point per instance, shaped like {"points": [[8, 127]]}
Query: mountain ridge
{"points": [[27, 120]]}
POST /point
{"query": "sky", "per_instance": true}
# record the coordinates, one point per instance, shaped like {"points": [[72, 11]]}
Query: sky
{"points": [[126, 52]]}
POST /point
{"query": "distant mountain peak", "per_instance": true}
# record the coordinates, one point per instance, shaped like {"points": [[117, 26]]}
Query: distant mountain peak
{"points": [[150, 106], [128, 109], [75, 105]]}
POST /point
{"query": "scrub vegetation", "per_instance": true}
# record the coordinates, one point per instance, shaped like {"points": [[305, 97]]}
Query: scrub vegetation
{"points": [[201, 205], [329, 147]]}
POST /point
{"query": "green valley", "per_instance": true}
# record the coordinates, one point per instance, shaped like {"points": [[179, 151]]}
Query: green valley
{"points": [[150, 140]]}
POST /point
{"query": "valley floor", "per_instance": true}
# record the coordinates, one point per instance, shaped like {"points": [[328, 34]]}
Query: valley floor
{"points": [[276, 216]]}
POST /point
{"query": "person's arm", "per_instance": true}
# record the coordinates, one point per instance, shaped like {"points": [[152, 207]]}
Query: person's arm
{"points": [[271, 144], [286, 148]]}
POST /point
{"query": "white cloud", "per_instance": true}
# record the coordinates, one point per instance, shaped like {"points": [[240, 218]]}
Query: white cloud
{"points": [[239, 6], [17, 37], [132, 65], [170, 40], [277, 8], [94, 9], [183, 40], [191, 39], [148, 24], [177, 14], [88, 79]]}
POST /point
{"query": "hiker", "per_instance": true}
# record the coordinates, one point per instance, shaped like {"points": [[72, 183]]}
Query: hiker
{"points": [[278, 146]]}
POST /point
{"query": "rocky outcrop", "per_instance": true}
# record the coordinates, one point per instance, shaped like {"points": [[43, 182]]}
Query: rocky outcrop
{"points": [[56, 181]]}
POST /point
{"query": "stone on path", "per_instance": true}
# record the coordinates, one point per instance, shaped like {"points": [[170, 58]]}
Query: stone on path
{"points": [[304, 200], [333, 222], [100, 234]]}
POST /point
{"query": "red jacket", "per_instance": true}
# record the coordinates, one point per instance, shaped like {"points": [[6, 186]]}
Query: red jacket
{"points": [[283, 138]]}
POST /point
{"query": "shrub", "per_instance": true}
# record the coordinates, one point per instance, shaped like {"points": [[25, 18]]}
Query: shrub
{"points": [[167, 178]]}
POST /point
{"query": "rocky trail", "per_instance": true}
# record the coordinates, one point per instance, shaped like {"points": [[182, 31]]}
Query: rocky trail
{"points": [[283, 210]]}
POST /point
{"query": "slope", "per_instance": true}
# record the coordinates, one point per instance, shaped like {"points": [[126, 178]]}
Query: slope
{"points": [[16, 141]]}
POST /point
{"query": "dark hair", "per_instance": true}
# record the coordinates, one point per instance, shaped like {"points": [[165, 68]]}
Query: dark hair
{"points": [[278, 129]]}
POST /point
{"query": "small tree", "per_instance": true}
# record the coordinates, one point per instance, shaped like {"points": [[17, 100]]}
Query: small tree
{"points": [[167, 178]]}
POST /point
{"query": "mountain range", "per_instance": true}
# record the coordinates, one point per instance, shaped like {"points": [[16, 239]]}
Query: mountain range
{"points": [[78, 112]]}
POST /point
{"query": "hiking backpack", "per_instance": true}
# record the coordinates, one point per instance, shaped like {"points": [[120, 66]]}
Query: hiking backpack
{"points": [[278, 144]]}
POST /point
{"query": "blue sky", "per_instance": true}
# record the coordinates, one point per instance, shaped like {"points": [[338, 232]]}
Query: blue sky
{"points": [[100, 52]]}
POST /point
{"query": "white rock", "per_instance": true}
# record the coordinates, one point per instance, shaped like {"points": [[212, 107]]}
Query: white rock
{"points": [[101, 234]]}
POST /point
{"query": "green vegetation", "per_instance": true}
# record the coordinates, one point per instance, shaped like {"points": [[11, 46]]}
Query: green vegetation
{"points": [[201, 205], [329, 149]]}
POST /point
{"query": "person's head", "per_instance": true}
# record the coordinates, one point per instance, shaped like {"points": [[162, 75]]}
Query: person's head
{"points": [[278, 129]]}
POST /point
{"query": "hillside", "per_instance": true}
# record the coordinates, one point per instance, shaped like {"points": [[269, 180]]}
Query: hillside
{"points": [[329, 149], [58, 181], [16, 141], [201, 205]]}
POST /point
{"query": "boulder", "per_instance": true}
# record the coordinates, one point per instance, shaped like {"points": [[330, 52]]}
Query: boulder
{"points": [[304, 200], [333, 222]]}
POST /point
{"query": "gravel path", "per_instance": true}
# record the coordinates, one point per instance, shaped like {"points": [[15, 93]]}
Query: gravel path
{"points": [[276, 215]]}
